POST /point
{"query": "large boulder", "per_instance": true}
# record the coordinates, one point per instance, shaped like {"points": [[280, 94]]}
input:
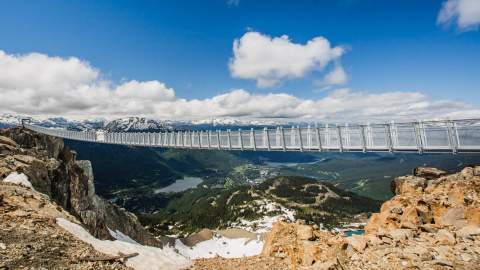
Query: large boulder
{"points": [[408, 184], [428, 172]]}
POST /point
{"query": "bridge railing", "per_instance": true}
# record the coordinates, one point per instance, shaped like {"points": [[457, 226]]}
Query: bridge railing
{"points": [[430, 136]]}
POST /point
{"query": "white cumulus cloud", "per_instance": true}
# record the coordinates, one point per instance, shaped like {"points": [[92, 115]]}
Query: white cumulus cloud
{"points": [[38, 84], [465, 13], [270, 60], [336, 76]]}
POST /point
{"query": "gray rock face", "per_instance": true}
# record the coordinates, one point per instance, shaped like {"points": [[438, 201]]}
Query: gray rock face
{"points": [[86, 166], [53, 169]]}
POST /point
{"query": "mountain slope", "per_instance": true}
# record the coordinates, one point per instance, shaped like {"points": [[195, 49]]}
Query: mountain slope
{"points": [[306, 198]]}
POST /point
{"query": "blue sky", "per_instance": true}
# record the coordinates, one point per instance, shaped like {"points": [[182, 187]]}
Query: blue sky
{"points": [[389, 45]]}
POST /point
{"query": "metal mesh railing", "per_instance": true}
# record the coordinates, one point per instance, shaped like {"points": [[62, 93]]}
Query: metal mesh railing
{"points": [[429, 136]]}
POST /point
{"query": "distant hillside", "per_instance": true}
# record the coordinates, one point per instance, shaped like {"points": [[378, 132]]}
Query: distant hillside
{"points": [[316, 201], [311, 200], [370, 174]]}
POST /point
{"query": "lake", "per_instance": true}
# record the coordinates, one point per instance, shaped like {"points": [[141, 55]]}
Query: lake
{"points": [[288, 164], [180, 185]]}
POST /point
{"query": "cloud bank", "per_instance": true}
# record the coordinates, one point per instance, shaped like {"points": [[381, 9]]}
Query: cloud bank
{"points": [[38, 84], [269, 60], [465, 13]]}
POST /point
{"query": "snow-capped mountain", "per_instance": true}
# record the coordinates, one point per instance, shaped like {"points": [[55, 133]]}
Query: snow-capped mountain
{"points": [[134, 124], [131, 124], [234, 122], [11, 120]]}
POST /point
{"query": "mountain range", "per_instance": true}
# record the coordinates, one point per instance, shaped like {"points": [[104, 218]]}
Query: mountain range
{"points": [[133, 124]]}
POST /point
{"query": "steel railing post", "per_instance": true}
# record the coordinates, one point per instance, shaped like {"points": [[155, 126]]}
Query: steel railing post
{"points": [[267, 138], [253, 140], [388, 133], [209, 140], [451, 140], [240, 139], [283, 139], [300, 140], [340, 140], [292, 137], [418, 137], [229, 139], [363, 138], [319, 139]]}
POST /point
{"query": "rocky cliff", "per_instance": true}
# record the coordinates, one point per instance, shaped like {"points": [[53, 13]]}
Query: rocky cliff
{"points": [[31, 239], [433, 222], [52, 169]]}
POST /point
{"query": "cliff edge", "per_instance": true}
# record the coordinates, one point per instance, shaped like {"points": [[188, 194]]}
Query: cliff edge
{"points": [[53, 170]]}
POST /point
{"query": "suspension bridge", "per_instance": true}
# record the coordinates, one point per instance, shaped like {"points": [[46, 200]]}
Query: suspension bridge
{"points": [[453, 136]]}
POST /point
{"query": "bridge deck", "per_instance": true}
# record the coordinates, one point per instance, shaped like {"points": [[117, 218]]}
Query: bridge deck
{"points": [[433, 136]]}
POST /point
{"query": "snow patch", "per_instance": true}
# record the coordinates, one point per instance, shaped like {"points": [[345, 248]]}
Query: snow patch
{"points": [[221, 246], [149, 258], [121, 236], [265, 223], [18, 179]]}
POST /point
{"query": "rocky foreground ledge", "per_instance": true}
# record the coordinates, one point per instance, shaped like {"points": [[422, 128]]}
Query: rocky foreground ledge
{"points": [[433, 222], [52, 169]]}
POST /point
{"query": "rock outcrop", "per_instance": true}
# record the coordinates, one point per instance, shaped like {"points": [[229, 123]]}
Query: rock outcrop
{"points": [[31, 239], [433, 222], [52, 169]]}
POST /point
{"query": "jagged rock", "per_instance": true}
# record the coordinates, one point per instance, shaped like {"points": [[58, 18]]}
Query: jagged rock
{"points": [[52, 169], [396, 210], [310, 253], [431, 228], [424, 212], [443, 263], [444, 237], [401, 234], [408, 184], [469, 231], [428, 172], [31, 238], [6, 149], [330, 265], [373, 240], [305, 232], [358, 242], [86, 166], [454, 217], [25, 159], [409, 218], [476, 171], [7, 141], [38, 175], [467, 172]]}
